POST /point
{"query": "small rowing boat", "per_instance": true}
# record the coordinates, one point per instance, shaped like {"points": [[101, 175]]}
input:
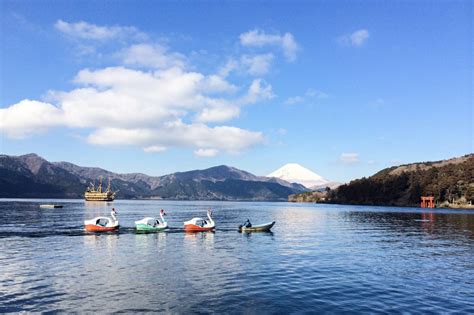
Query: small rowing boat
{"points": [[199, 224], [257, 228], [103, 224], [51, 206], [150, 225]]}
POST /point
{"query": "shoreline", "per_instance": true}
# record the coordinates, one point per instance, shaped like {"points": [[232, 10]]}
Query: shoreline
{"points": [[455, 207], [452, 207]]}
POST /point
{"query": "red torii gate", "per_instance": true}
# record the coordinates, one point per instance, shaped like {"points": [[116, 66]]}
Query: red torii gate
{"points": [[427, 202]]}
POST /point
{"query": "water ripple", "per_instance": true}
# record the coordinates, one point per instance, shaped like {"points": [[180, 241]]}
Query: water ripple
{"points": [[318, 259]]}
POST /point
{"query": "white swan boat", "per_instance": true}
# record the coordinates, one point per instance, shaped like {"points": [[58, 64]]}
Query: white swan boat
{"points": [[103, 224]]}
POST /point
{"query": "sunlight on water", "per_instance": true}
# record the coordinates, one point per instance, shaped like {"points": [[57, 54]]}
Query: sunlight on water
{"points": [[318, 258]]}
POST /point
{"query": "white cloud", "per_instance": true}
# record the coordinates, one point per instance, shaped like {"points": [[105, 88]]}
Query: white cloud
{"points": [[310, 95], [158, 104], [131, 107], [88, 31], [155, 56], [154, 149], [218, 114], [206, 152], [258, 38], [294, 100], [357, 38], [230, 66], [257, 64], [225, 109], [179, 134], [282, 131], [28, 117], [254, 65], [349, 158], [217, 84], [259, 90]]}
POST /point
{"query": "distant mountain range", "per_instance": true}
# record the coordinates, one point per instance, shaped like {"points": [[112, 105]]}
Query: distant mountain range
{"points": [[31, 176]]}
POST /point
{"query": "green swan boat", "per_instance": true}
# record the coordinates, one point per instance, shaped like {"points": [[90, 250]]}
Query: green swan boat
{"points": [[150, 225]]}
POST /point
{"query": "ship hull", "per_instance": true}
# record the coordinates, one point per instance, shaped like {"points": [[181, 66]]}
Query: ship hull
{"points": [[99, 199], [93, 196]]}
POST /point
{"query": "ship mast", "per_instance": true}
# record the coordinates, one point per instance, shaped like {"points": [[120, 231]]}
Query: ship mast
{"points": [[100, 184]]}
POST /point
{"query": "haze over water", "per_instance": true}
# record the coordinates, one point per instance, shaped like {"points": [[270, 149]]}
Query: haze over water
{"points": [[319, 258]]}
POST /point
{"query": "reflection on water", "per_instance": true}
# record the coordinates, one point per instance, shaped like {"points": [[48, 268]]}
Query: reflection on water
{"points": [[198, 243], [98, 205], [318, 258], [101, 242], [249, 234], [150, 241]]}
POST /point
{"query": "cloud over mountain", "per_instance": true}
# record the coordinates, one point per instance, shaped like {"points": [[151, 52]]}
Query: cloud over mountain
{"points": [[153, 98], [131, 107]]}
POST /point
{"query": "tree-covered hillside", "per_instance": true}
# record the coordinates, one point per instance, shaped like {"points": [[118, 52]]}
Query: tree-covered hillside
{"points": [[451, 182]]}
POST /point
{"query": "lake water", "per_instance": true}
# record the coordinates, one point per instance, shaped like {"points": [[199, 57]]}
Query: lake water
{"points": [[318, 259]]}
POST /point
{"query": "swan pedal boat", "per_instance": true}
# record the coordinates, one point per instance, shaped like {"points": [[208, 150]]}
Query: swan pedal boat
{"points": [[102, 224], [150, 225], [257, 228], [199, 224]]}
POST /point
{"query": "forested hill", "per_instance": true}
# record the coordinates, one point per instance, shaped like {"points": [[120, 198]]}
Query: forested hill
{"points": [[451, 182]]}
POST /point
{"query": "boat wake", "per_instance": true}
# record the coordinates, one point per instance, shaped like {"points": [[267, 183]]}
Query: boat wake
{"points": [[79, 231]]}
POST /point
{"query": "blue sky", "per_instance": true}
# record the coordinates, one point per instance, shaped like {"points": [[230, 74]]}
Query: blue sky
{"points": [[344, 88]]}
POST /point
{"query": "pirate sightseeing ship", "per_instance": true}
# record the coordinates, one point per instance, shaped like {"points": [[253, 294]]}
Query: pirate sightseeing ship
{"points": [[98, 194]]}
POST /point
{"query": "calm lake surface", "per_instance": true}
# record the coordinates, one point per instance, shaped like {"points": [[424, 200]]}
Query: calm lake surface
{"points": [[318, 259]]}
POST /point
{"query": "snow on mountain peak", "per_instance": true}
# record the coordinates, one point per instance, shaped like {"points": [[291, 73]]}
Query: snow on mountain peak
{"points": [[295, 173]]}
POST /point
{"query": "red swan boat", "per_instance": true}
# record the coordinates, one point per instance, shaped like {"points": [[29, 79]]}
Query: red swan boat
{"points": [[103, 224], [199, 224]]}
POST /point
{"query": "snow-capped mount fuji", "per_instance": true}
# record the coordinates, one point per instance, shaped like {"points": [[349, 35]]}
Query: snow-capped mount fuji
{"points": [[295, 173]]}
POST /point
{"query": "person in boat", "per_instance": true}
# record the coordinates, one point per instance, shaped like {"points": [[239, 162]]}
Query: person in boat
{"points": [[247, 224]]}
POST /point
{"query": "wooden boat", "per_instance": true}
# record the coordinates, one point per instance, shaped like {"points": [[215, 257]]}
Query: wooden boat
{"points": [[103, 224], [257, 228], [150, 225], [51, 206], [199, 224]]}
